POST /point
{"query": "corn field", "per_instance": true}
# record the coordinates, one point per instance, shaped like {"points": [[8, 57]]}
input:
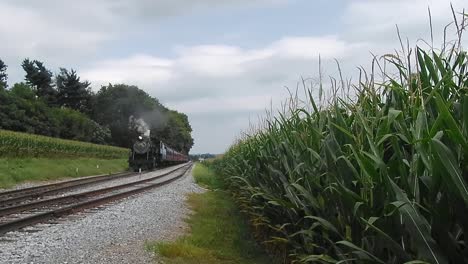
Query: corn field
{"points": [[19, 145], [376, 176]]}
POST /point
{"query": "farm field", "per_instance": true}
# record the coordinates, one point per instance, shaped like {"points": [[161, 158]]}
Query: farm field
{"points": [[22, 145], [27, 157], [376, 173]]}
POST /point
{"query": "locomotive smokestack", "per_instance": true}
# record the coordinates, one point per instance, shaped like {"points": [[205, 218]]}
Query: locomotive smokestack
{"points": [[143, 127], [139, 125]]}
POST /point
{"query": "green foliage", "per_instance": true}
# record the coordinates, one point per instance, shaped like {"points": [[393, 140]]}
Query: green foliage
{"points": [[111, 109], [382, 178], [40, 78], [36, 107], [22, 111], [72, 92], [176, 131], [23, 90], [114, 105], [206, 177], [76, 126], [21, 145], [203, 156], [18, 170], [218, 234], [3, 76], [74, 112]]}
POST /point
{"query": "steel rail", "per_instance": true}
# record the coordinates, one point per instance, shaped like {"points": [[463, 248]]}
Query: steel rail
{"points": [[57, 213], [55, 188], [76, 197], [59, 186]]}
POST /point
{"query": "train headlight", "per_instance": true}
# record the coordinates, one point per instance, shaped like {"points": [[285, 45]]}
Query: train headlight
{"points": [[140, 138]]}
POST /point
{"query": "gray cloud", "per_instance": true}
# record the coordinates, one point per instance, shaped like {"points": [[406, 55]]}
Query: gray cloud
{"points": [[150, 9], [91, 13], [221, 87], [72, 32]]}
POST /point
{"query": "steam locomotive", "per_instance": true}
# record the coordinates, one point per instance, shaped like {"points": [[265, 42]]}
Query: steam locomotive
{"points": [[146, 155]]}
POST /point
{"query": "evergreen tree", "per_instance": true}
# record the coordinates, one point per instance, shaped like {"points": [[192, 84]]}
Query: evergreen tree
{"points": [[40, 78], [3, 75], [73, 93]]}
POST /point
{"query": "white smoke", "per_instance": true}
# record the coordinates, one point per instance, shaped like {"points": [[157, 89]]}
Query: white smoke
{"points": [[139, 125], [155, 119]]}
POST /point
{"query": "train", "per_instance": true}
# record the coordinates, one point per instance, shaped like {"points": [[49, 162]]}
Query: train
{"points": [[148, 155]]}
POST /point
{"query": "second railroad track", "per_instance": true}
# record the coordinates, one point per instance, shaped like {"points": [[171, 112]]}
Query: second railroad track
{"points": [[36, 205]]}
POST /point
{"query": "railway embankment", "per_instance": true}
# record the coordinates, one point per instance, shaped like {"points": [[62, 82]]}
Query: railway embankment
{"points": [[116, 232]]}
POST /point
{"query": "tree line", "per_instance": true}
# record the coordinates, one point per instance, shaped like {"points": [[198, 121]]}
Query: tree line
{"points": [[65, 106], [202, 156]]}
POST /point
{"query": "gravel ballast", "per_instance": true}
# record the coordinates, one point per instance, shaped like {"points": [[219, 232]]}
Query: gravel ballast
{"points": [[111, 183], [114, 234]]}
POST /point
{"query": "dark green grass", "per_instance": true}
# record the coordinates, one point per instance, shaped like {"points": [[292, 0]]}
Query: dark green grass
{"points": [[16, 170], [219, 233]]}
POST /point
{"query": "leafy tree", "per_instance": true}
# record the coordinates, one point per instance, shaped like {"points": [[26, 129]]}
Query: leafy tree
{"points": [[40, 78], [23, 90], [203, 156], [176, 132], [77, 126], [117, 106], [20, 111], [72, 92], [116, 111], [113, 106], [3, 75]]}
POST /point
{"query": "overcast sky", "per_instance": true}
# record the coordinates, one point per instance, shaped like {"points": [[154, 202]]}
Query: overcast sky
{"points": [[222, 62]]}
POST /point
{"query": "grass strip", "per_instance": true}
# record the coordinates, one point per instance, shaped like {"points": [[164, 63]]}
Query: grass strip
{"points": [[219, 233], [15, 170]]}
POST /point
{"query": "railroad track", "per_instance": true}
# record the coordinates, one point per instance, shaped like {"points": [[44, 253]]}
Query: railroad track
{"points": [[29, 212], [9, 198]]}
